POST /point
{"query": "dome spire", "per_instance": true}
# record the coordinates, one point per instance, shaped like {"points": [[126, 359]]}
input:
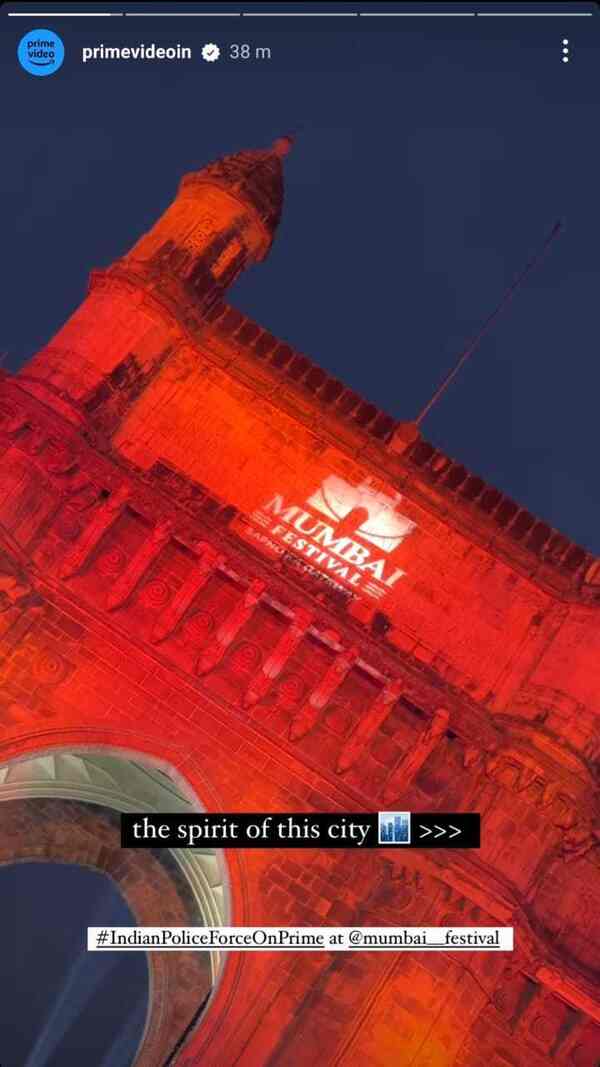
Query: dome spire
{"points": [[283, 145], [254, 177]]}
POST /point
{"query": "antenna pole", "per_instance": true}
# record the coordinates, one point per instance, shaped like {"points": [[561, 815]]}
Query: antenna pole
{"points": [[556, 229]]}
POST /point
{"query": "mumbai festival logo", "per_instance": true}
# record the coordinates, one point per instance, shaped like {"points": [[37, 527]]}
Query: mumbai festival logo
{"points": [[348, 533]]}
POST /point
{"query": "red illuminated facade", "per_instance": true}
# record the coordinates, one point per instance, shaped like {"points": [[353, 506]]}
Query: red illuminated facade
{"points": [[220, 560]]}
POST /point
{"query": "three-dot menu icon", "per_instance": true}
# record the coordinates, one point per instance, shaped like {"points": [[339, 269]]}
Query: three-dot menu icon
{"points": [[565, 50]]}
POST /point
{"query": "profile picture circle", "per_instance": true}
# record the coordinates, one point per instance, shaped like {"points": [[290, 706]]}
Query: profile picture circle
{"points": [[41, 52]]}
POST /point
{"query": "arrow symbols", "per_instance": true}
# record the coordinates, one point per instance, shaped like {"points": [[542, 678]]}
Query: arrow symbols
{"points": [[441, 830]]}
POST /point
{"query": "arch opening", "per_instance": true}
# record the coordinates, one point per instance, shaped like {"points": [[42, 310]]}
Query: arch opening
{"points": [[63, 806], [82, 1007]]}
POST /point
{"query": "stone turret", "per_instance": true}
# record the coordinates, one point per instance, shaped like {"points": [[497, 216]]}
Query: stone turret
{"points": [[223, 219]]}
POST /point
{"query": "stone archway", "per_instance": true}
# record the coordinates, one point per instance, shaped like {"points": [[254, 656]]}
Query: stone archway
{"points": [[64, 806]]}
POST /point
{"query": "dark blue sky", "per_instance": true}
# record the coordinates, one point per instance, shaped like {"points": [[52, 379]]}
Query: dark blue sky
{"points": [[433, 157], [63, 1006]]}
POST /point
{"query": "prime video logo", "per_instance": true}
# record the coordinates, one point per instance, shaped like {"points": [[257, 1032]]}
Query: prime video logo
{"points": [[41, 52]]}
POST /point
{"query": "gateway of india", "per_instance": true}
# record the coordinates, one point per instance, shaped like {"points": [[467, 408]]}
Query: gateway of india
{"points": [[229, 583]]}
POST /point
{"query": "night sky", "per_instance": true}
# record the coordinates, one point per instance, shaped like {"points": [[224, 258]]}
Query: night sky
{"points": [[63, 1006], [433, 157]]}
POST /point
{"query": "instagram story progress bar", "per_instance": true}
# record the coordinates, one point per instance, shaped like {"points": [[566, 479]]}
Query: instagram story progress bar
{"points": [[383, 11]]}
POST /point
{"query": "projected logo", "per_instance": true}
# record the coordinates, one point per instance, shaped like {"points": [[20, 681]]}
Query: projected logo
{"points": [[41, 52], [347, 532]]}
